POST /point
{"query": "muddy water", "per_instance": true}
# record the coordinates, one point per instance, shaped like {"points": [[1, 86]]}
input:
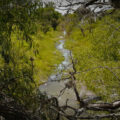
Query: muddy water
{"points": [[54, 86]]}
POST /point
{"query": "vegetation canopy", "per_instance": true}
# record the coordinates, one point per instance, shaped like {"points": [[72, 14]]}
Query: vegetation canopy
{"points": [[32, 52]]}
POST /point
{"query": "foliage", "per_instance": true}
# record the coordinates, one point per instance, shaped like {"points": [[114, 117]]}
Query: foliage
{"points": [[27, 52], [96, 48], [14, 13], [48, 18], [18, 78]]}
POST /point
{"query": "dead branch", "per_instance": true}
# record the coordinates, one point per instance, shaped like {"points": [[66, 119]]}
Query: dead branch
{"points": [[109, 107], [85, 4], [11, 110], [85, 104], [73, 78], [104, 106], [75, 117]]}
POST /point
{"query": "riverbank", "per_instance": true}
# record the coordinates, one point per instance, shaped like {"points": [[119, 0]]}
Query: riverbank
{"points": [[96, 47], [55, 84]]}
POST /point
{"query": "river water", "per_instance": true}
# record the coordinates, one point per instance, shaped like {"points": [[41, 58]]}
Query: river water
{"points": [[53, 86]]}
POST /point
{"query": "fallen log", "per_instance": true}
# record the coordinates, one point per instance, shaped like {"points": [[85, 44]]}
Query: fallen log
{"points": [[104, 106]]}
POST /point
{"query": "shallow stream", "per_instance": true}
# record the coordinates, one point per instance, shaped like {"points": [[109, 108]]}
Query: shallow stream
{"points": [[54, 86]]}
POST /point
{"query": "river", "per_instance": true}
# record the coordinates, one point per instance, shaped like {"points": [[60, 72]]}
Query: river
{"points": [[53, 86]]}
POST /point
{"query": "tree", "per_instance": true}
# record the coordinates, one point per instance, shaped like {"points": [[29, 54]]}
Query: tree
{"points": [[16, 17], [48, 17], [19, 20]]}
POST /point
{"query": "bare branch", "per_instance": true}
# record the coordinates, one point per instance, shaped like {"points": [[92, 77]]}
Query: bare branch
{"points": [[103, 67], [85, 4]]}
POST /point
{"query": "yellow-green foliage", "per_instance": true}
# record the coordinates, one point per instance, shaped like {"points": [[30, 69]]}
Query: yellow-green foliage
{"points": [[29, 65], [43, 51], [28, 52], [98, 54], [48, 56]]}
